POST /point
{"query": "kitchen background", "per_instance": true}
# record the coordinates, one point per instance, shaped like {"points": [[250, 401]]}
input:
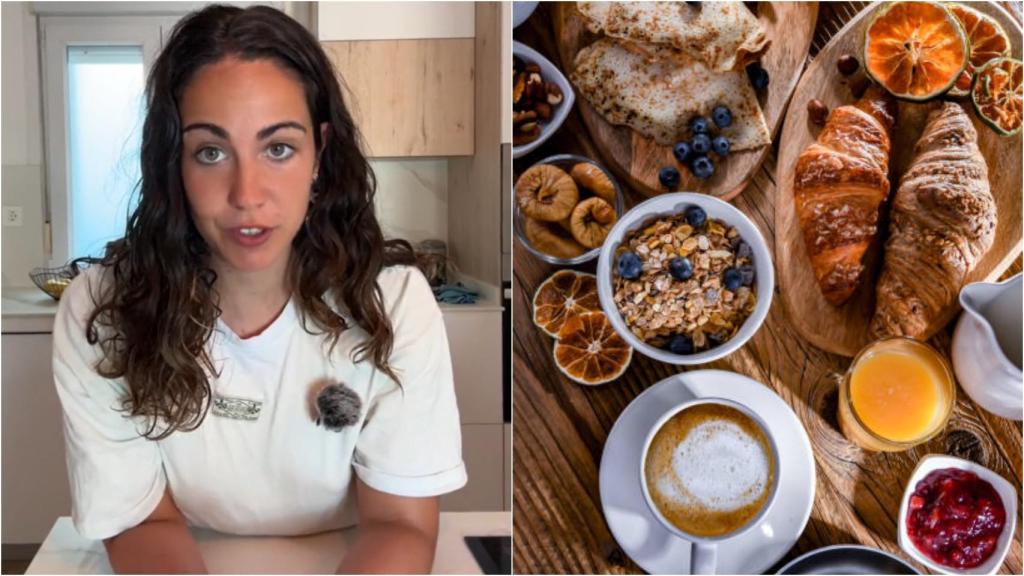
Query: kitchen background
{"points": [[428, 83]]}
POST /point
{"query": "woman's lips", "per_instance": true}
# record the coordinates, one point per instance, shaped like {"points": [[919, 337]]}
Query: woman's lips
{"points": [[250, 236]]}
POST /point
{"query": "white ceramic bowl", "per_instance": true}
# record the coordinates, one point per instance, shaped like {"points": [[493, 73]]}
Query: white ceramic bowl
{"points": [[1005, 490], [550, 74], [670, 205], [521, 11], [565, 162]]}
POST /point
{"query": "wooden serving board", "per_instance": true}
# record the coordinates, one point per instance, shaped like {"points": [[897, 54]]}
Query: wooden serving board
{"points": [[636, 160], [844, 329]]}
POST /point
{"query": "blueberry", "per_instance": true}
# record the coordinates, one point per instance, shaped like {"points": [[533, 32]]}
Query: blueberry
{"points": [[682, 152], [700, 144], [746, 274], [680, 344], [629, 266], [696, 216], [680, 268], [732, 279], [720, 145], [669, 177], [758, 76], [743, 250], [715, 340], [699, 125], [702, 167], [722, 116]]}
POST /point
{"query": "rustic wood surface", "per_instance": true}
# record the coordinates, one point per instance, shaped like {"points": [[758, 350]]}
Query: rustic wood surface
{"points": [[560, 427], [636, 160], [844, 329]]}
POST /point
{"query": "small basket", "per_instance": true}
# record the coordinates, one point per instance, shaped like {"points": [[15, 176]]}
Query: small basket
{"points": [[54, 281]]}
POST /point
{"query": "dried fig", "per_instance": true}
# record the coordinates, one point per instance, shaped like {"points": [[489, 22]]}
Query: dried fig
{"points": [[591, 221], [546, 192], [550, 239], [595, 180]]}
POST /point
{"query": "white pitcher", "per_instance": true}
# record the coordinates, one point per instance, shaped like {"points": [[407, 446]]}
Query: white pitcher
{"points": [[987, 346]]}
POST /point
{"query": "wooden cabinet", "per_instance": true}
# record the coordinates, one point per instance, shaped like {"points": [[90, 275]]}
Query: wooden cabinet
{"points": [[35, 478], [409, 97], [474, 341]]}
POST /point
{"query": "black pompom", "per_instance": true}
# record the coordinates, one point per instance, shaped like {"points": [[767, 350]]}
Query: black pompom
{"points": [[337, 406]]}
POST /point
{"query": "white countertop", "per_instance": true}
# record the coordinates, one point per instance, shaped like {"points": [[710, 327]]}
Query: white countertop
{"points": [[30, 310], [66, 552]]}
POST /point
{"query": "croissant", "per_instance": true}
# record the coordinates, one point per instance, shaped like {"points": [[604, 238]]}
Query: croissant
{"points": [[943, 221], [840, 182]]}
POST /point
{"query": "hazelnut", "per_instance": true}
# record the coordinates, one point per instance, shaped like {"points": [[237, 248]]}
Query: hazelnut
{"points": [[817, 112], [554, 94], [543, 110], [847, 64]]}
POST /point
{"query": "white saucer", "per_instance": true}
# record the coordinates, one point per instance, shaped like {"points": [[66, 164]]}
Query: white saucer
{"points": [[644, 539]]}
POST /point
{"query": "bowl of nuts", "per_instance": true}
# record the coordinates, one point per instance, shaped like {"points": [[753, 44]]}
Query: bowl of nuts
{"points": [[565, 206], [541, 99], [685, 278]]}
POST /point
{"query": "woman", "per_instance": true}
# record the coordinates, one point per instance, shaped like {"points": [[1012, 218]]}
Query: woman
{"points": [[253, 289]]}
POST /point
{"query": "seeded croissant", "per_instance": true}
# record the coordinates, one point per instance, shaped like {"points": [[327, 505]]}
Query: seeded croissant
{"points": [[943, 222], [840, 182]]}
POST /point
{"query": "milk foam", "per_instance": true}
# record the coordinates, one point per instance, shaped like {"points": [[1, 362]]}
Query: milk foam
{"points": [[717, 466]]}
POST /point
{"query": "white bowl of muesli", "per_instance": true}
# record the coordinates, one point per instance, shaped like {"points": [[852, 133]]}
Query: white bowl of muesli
{"points": [[685, 278]]}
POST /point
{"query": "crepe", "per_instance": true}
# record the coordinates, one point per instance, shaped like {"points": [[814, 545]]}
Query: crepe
{"points": [[656, 91], [722, 35]]}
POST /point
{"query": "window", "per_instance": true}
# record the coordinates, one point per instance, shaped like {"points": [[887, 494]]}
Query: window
{"points": [[105, 111]]}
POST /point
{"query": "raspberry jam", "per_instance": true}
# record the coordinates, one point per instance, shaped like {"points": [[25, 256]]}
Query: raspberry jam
{"points": [[955, 518]]}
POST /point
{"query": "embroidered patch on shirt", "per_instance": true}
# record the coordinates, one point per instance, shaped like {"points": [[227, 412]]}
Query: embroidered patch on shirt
{"points": [[236, 408]]}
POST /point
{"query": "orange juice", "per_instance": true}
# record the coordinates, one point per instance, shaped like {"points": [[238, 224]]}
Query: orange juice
{"points": [[897, 393]]}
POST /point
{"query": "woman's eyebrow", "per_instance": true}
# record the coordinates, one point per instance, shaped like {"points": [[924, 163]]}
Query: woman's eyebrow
{"points": [[262, 134]]}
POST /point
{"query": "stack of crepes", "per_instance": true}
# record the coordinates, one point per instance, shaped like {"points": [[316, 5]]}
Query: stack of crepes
{"points": [[660, 64]]}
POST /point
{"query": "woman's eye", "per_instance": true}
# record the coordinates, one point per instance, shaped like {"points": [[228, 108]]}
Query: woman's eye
{"points": [[280, 151], [209, 155]]}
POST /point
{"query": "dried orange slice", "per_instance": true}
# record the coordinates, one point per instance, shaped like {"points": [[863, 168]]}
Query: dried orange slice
{"points": [[564, 294], [915, 50], [987, 40], [997, 95], [589, 351]]}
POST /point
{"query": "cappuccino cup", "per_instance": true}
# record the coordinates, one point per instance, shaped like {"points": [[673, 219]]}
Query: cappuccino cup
{"points": [[709, 471]]}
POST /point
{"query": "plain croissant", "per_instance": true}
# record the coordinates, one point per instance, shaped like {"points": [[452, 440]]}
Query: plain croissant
{"points": [[943, 221], [840, 182]]}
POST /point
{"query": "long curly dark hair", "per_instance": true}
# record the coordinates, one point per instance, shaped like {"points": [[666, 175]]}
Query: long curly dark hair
{"points": [[160, 305]]}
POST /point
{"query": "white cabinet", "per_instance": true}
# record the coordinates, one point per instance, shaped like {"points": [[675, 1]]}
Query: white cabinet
{"points": [[35, 479], [474, 338], [483, 455]]}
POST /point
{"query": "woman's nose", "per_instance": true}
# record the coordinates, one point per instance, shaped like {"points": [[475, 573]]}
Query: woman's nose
{"points": [[247, 190]]}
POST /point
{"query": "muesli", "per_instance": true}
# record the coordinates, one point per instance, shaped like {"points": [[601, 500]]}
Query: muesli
{"points": [[685, 283]]}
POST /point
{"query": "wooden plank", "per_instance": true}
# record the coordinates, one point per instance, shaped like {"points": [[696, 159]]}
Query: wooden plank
{"points": [[409, 97]]}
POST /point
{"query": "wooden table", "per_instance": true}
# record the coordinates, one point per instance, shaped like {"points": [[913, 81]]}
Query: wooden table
{"points": [[561, 427]]}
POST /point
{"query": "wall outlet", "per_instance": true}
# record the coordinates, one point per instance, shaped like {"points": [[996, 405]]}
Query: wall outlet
{"points": [[12, 215]]}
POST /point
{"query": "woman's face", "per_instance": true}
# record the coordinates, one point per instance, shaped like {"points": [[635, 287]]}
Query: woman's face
{"points": [[248, 159]]}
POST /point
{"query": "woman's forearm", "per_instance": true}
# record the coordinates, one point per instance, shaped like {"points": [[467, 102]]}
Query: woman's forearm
{"points": [[156, 546], [390, 548]]}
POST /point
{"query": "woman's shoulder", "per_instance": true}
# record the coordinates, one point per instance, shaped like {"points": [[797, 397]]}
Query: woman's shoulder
{"points": [[404, 286], [82, 296]]}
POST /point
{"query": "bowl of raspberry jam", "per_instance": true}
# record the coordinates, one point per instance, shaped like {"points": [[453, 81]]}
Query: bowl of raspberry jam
{"points": [[957, 517]]}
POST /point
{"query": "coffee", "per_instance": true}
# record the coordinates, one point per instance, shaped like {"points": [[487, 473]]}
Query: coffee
{"points": [[709, 469]]}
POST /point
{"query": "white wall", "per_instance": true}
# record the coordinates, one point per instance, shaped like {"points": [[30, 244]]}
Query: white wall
{"points": [[22, 153]]}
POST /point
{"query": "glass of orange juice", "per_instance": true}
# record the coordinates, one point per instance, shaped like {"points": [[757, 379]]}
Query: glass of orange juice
{"points": [[897, 394]]}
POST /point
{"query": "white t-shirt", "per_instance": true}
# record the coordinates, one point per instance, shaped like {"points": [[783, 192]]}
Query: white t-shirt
{"points": [[280, 474]]}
